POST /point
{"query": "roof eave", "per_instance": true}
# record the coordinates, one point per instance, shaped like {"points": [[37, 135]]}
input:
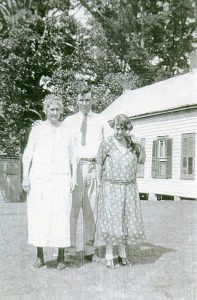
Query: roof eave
{"points": [[171, 110]]}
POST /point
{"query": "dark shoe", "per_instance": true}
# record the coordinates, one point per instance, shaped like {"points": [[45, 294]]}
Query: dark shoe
{"points": [[89, 257], [71, 258], [61, 266], [39, 263], [73, 261], [123, 261]]}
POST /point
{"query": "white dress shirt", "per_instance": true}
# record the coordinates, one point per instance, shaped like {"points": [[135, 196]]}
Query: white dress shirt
{"points": [[94, 134]]}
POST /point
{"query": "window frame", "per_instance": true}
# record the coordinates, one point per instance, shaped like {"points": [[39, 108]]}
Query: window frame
{"points": [[161, 159], [157, 159]]}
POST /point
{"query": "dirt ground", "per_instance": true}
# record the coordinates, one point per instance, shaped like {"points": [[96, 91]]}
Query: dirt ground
{"points": [[165, 268]]}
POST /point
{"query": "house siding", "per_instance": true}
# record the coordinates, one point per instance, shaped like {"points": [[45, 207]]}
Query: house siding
{"points": [[172, 125]]}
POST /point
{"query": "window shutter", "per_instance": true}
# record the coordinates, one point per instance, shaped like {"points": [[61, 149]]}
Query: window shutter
{"points": [[140, 167], [187, 155], [169, 158], [154, 159]]}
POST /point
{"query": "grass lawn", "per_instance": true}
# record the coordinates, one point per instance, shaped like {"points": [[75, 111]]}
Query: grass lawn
{"points": [[165, 268]]}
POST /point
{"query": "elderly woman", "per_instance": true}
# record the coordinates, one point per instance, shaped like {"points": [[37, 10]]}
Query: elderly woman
{"points": [[49, 160], [119, 213]]}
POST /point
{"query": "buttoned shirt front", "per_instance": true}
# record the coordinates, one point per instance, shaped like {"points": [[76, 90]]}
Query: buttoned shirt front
{"points": [[94, 133]]}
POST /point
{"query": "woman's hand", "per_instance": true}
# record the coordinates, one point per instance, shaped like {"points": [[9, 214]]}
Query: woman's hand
{"points": [[136, 149], [26, 184]]}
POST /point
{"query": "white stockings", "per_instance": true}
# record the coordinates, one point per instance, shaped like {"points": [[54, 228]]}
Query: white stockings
{"points": [[109, 250]]}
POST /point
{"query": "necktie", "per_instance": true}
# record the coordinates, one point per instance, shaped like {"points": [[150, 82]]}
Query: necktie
{"points": [[83, 130]]}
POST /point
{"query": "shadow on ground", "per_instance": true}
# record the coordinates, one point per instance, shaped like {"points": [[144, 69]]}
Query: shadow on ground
{"points": [[143, 254], [78, 262], [51, 264]]}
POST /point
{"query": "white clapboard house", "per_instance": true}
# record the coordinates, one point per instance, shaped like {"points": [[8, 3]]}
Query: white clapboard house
{"points": [[164, 118]]}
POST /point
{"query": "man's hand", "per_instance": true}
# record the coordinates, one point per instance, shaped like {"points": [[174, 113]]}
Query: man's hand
{"points": [[26, 184], [98, 187], [36, 123], [73, 184]]}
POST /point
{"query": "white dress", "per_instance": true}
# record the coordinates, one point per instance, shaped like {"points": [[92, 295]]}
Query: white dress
{"points": [[51, 153]]}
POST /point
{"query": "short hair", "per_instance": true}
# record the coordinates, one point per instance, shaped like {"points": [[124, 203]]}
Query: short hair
{"points": [[51, 99], [84, 89], [122, 120]]}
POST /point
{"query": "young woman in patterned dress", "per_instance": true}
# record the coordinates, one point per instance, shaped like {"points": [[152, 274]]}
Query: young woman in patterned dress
{"points": [[119, 219]]}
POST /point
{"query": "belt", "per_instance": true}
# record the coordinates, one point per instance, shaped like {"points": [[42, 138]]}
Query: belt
{"points": [[88, 159], [120, 181]]}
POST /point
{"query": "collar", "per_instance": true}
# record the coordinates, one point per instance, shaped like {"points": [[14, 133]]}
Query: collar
{"points": [[90, 114]]}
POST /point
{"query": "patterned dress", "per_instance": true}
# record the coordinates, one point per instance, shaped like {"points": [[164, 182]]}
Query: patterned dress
{"points": [[119, 211]]}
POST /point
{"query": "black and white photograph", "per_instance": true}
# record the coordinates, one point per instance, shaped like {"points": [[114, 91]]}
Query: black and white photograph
{"points": [[98, 149]]}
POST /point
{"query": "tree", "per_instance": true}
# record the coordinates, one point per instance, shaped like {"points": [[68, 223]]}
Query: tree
{"points": [[151, 38], [31, 46], [43, 48]]}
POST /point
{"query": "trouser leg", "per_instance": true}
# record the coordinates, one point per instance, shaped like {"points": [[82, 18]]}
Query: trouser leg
{"points": [[75, 209], [87, 187], [89, 225], [122, 251]]}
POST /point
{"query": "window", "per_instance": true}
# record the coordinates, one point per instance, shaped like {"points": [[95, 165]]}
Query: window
{"points": [[162, 144], [140, 167], [162, 158], [187, 155]]}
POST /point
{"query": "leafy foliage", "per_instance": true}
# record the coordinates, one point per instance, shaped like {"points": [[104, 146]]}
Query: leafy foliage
{"points": [[151, 38], [43, 48], [30, 48]]}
